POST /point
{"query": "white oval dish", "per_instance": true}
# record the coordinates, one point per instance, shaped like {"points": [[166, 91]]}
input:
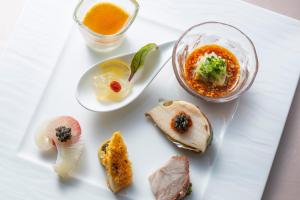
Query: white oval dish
{"points": [[85, 93]]}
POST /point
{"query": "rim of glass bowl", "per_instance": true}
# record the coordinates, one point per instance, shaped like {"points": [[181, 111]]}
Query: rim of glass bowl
{"points": [[226, 98], [75, 17]]}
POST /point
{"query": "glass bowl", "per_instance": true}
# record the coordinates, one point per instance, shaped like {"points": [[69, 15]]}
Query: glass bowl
{"points": [[224, 35], [99, 42]]}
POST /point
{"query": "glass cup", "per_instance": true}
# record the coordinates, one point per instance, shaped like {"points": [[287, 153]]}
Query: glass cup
{"points": [[224, 35], [99, 42]]}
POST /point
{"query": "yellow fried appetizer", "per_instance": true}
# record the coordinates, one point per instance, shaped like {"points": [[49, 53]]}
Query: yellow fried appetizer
{"points": [[113, 156]]}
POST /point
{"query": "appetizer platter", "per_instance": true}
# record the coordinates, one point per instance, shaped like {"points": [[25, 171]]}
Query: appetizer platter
{"points": [[144, 116]]}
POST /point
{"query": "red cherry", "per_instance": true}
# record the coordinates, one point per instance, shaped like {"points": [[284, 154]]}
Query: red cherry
{"points": [[115, 86]]}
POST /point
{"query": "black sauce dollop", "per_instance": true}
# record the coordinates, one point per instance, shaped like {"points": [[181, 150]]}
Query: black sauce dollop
{"points": [[63, 133], [181, 122]]}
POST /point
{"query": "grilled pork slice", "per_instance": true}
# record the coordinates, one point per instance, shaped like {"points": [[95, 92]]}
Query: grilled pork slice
{"points": [[172, 181], [183, 123], [113, 156]]}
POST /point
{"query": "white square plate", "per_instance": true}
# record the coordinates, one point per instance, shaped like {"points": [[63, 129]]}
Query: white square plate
{"points": [[246, 131]]}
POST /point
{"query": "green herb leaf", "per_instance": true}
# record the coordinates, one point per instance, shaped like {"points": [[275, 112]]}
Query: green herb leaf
{"points": [[139, 58]]}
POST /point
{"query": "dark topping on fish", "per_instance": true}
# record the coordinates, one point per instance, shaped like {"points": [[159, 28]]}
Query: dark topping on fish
{"points": [[63, 133], [181, 122]]}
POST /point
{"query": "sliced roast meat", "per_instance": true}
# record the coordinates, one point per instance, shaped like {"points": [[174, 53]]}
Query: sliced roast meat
{"points": [[172, 181]]}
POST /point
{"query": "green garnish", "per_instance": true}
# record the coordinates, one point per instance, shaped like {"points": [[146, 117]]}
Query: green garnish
{"points": [[139, 58], [212, 69], [189, 191]]}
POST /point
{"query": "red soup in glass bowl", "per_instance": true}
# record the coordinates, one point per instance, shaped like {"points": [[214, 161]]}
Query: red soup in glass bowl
{"points": [[215, 61]]}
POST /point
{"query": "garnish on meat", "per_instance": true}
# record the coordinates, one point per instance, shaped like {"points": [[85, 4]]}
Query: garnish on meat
{"points": [[172, 181], [183, 123]]}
